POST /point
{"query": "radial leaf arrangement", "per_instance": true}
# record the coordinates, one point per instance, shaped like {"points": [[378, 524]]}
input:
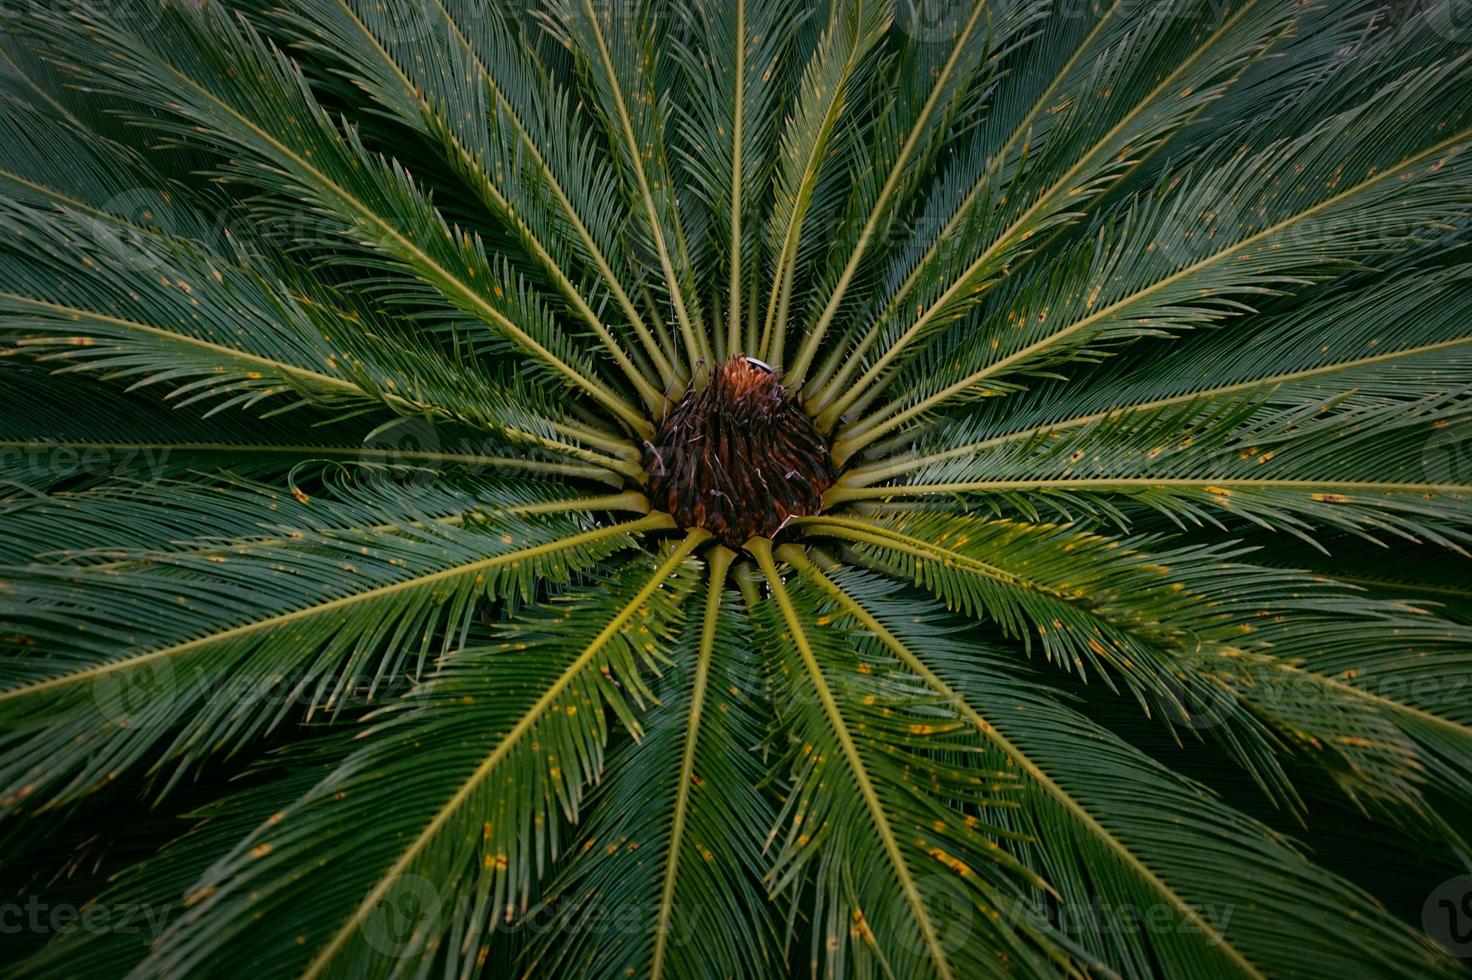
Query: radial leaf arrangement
{"points": [[727, 488]]}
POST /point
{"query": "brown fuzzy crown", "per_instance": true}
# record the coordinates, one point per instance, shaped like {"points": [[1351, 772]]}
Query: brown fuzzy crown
{"points": [[737, 457]]}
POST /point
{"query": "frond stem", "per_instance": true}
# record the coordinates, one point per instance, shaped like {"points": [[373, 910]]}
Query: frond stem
{"points": [[861, 434], [503, 747], [831, 415], [868, 532], [838, 495], [354, 452], [631, 501], [774, 329], [738, 134], [795, 377], [761, 549], [720, 559]]}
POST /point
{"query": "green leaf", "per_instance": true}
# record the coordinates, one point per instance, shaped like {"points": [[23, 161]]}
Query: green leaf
{"points": [[658, 883], [169, 653], [1160, 894], [873, 814], [191, 70], [516, 731]]}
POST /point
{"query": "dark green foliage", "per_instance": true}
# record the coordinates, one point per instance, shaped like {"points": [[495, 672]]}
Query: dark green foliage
{"points": [[341, 638]]}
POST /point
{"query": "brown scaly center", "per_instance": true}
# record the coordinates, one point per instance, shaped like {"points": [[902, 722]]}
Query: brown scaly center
{"points": [[738, 457]]}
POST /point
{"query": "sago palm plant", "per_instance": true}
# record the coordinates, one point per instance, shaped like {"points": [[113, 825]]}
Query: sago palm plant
{"points": [[735, 488]]}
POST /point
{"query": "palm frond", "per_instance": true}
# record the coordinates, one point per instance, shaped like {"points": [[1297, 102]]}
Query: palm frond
{"points": [[1364, 469], [1190, 273], [139, 641], [1058, 415], [153, 891], [214, 329], [659, 843], [1146, 838], [433, 80], [618, 55], [1192, 627], [869, 788], [461, 826], [1150, 79], [1380, 350], [64, 429], [853, 29], [191, 71], [910, 136], [726, 122]]}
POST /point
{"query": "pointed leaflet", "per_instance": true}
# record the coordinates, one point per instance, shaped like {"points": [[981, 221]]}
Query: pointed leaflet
{"points": [[882, 820], [516, 731], [664, 879], [213, 80], [165, 655], [1160, 895]]}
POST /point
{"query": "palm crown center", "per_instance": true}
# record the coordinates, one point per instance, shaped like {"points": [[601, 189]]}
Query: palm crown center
{"points": [[738, 457]]}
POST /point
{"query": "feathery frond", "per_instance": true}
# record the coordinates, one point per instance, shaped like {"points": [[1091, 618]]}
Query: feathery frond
{"points": [[386, 388]]}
